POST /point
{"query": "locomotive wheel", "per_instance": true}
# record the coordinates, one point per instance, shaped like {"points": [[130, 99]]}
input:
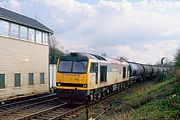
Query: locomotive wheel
{"points": [[118, 88], [124, 85], [104, 93], [91, 97], [99, 95], [108, 91]]}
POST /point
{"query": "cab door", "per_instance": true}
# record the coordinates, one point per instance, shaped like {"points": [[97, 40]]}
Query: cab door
{"points": [[94, 73]]}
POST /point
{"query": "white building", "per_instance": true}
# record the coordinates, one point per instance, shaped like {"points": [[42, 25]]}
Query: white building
{"points": [[24, 55]]}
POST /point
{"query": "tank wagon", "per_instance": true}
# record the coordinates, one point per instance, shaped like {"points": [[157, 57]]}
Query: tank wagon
{"points": [[85, 75]]}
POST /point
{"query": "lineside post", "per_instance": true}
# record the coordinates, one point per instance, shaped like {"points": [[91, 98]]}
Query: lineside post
{"points": [[87, 106]]}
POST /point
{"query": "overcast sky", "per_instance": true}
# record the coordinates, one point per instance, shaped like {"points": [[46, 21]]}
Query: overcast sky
{"points": [[142, 31]]}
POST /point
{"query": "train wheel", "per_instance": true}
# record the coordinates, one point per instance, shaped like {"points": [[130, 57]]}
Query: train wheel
{"points": [[118, 88], [124, 85], [99, 95], [104, 93], [91, 97], [128, 84], [108, 91]]}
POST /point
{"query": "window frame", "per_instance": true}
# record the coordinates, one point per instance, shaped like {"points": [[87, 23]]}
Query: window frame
{"points": [[45, 38], [15, 80], [103, 73], [43, 78], [124, 72], [18, 30], [4, 81], [8, 26], [95, 68], [32, 79], [72, 66], [36, 36], [15, 30], [95, 71]]}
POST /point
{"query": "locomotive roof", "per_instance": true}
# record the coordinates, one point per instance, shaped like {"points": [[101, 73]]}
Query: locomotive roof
{"points": [[93, 58]]}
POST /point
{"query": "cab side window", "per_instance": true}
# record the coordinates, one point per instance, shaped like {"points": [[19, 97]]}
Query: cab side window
{"points": [[94, 68]]}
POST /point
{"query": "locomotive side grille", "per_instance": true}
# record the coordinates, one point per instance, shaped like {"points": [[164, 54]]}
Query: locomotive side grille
{"points": [[71, 85]]}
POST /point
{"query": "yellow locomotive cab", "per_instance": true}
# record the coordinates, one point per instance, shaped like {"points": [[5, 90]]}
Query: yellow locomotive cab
{"points": [[72, 73]]}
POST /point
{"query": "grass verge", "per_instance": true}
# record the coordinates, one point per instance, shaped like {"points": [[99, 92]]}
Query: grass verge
{"points": [[150, 100], [162, 101]]}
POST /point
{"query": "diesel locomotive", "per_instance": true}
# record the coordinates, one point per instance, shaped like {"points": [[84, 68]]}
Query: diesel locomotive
{"points": [[84, 75]]}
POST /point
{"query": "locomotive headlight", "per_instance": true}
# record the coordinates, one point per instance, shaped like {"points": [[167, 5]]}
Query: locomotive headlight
{"points": [[85, 86], [59, 84]]}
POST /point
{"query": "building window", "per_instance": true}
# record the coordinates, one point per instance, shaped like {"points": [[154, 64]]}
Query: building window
{"points": [[31, 35], [42, 81], [2, 81], [23, 32], [45, 38], [31, 78], [17, 77], [14, 32], [4, 28], [38, 37]]}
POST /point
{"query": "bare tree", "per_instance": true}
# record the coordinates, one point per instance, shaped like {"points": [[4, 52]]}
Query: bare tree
{"points": [[104, 54], [177, 58], [54, 52], [122, 58]]}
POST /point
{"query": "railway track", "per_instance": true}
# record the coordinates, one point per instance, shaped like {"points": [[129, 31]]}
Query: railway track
{"points": [[23, 98], [53, 113], [52, 109], [64, 110], [23, 102], [11, 109]]}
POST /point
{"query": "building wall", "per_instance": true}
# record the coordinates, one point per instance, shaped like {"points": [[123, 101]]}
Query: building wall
{"points": [[23, 57]]}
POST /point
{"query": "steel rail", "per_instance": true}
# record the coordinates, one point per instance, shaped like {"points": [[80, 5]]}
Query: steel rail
{"points": [[26, 101], [25, 107], [68, 113], [29, 117]]}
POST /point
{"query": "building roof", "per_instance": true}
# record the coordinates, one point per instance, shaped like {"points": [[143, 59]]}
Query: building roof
{"points": [[23, 20]]}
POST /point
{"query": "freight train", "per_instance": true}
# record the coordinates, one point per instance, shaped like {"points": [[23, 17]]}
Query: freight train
{"points": [[84, 75]]}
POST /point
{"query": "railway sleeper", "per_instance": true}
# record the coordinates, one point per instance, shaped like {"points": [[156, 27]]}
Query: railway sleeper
{"points": [[48, 115], [55, 113], [64, 118], [42, 118]]}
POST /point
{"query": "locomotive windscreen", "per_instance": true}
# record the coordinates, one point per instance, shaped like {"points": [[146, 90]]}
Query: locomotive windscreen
{"points": [[72, 66]]}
